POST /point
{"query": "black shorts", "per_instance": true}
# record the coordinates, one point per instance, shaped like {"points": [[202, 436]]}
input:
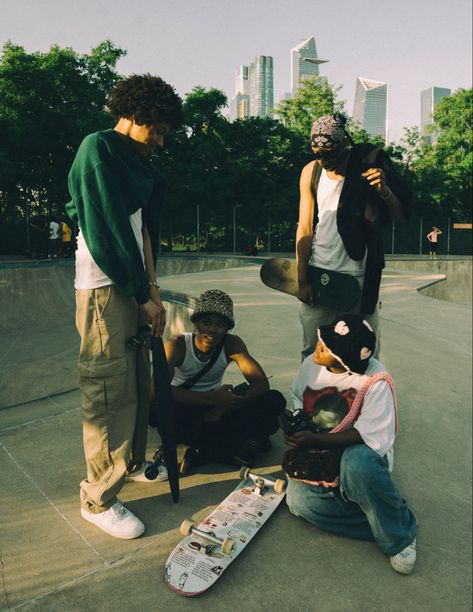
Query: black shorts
{"points": [[433, 247]]}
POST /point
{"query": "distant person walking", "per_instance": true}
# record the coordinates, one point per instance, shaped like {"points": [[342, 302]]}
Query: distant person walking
{"points": [[54, 239], [346, 195], [66, 239], [117, 195], [433, 238]]}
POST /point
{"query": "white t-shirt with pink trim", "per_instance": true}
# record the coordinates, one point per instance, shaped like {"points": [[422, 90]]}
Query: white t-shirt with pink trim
{"points": [[377, 421]]}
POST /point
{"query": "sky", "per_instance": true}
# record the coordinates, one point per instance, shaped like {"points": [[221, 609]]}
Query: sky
{"points": [[411, 44]]}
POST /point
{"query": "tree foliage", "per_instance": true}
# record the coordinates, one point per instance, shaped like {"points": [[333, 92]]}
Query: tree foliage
{"points": [[314, 98], [441, 173], [246, 170], [48, 103]]}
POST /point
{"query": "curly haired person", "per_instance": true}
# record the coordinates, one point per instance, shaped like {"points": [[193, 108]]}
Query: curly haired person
{"points": [[116, 200]]}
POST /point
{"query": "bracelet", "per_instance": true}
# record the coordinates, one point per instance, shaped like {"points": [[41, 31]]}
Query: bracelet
{"points": [[388, 196], [153, 284]]}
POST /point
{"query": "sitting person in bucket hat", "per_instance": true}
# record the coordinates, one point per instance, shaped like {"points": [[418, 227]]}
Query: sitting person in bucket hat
{"points": [[364, 502], [220, 423]]}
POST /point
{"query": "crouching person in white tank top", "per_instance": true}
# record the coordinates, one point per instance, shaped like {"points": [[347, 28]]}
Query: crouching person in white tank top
{"points": [[220, 423]]}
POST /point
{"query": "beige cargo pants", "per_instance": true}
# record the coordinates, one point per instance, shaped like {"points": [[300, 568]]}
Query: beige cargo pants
{"points": [[114, 384]]}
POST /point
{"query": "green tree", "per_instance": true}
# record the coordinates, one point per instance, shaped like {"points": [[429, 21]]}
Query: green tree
{"points": [[48, 103], [314, 98], [248, 169], [440, 174], [194, 162], [452, 154]]}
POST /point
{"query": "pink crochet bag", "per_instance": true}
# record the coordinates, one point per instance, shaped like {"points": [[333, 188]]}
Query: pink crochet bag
{"points": [[322, 466]]}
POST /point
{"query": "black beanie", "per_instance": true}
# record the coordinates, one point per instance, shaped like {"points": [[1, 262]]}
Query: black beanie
{"points": [[351, 340]]}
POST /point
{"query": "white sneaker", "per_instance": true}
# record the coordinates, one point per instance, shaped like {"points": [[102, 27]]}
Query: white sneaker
{"points": [[117, 521], [149, 472], [405, 560]]}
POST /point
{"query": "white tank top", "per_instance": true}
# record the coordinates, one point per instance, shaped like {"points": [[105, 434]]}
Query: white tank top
{"points": [[328, 250], [211, 380]]}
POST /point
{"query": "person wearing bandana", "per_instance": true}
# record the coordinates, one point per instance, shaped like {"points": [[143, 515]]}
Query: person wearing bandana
{"points": [[347, 193]]}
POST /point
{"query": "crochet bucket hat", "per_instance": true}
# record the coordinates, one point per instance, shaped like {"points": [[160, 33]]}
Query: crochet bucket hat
{"points": [[351, 340], [217, 302]]}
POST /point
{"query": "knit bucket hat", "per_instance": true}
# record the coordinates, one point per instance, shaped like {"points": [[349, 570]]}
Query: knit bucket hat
{"points": [[351, 340], [217, 302]]}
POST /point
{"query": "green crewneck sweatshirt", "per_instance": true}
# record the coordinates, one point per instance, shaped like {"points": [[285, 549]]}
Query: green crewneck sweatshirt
{"points": [[108, 182]]}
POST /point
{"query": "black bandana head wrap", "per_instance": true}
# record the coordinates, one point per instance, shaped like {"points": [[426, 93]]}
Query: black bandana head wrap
{"points": [[328, 132]]}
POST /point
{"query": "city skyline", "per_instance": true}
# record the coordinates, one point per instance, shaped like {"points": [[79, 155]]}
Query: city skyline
{"points": [[203, 41]]}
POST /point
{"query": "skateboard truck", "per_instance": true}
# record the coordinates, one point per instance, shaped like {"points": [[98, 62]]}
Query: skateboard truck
{"points": [[227, 545], [262, 483]]}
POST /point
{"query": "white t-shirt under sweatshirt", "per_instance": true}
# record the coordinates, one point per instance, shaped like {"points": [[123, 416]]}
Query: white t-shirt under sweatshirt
{"points": [[88, 274]]}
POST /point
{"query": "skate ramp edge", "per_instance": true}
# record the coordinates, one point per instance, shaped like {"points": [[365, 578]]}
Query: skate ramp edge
{"points": [[455, 287], [38, 339]]}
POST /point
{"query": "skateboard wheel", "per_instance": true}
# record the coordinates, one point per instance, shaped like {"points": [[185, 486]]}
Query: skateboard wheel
{"points": [[244, 472], [227, 546], [186, 527], [151, 472], [279, 485]]}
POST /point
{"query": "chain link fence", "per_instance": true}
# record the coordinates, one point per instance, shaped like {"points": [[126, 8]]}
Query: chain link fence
{"points": [[399, 238]]}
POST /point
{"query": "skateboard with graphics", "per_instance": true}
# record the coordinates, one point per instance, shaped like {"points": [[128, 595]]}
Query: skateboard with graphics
{"points": [[208, 548]]}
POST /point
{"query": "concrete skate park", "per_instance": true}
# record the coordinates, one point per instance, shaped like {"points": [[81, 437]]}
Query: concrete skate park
{"points": [[51, 559]]}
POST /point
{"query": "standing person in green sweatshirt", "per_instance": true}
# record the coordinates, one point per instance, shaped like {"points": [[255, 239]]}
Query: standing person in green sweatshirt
{"points": [[116, 197]]}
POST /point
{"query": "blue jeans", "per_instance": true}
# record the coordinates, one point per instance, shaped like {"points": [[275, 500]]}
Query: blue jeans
{"points": [[368, 505]]}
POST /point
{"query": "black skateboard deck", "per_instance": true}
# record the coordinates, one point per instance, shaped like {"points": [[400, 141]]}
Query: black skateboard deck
{"points": [[163, 399]]}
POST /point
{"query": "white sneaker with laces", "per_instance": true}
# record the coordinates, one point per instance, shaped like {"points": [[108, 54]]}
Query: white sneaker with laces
{"points": [[117, 521], [405, 560], [141, 475]]}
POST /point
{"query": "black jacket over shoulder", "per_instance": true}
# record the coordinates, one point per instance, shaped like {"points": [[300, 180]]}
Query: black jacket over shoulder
{"points": [[357, 198]]}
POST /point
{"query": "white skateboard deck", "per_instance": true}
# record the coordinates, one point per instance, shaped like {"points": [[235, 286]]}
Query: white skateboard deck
{"points": [[196, 563]]}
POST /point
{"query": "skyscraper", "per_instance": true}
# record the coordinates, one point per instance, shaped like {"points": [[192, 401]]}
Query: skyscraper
{"points": [[240, 103], [371, 106], [304, 62], [429, 98], [254, 90], [260, 76]]}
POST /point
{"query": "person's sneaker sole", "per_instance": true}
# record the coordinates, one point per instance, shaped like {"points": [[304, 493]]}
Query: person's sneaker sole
{"points": [[89, 517]]}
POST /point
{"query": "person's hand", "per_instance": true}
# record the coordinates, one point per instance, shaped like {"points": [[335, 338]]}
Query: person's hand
{"points": [[156, 315], [224, 398], [305, 293], [377, 179], [302, 439]]}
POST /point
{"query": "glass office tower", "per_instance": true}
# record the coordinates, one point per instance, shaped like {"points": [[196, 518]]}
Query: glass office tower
{"points": [[240, 103], [260, 76], [371, 106], [254, 90], [304, 62], [429, 98]]}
